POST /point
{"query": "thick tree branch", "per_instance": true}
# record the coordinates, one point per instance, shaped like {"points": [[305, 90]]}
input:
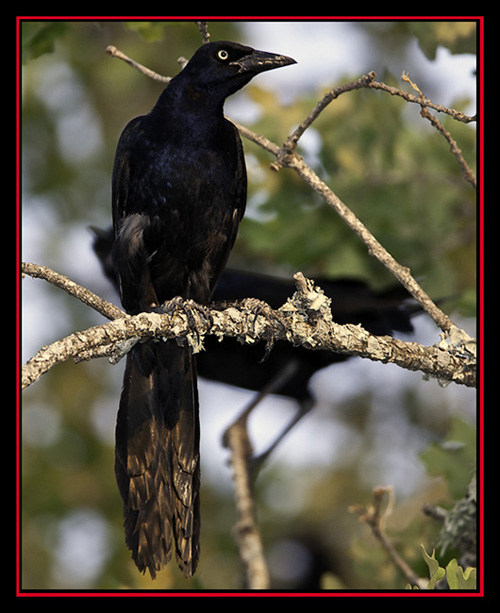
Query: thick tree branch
{"points": [[305, 319]]}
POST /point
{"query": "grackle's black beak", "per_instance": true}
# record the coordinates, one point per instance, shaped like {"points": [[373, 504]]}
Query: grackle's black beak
{"points": [[260, 61]]}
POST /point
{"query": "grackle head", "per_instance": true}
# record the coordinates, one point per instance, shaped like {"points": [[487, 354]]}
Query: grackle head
{"points": [[227, 66]]}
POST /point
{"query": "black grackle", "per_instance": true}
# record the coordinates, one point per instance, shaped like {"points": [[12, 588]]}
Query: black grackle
{"points": [[178, 195]]}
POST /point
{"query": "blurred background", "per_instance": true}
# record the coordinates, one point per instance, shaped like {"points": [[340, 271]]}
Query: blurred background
{"points": [[372, 424]]}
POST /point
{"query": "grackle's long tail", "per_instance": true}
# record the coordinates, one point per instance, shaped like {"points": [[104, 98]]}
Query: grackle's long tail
{"points": [[157, 463]]}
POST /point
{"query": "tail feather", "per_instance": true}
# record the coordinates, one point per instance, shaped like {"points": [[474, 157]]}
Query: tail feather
{"points": [[157, 456]]}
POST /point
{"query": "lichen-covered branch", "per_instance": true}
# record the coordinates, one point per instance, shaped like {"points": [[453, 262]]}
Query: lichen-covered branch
{"points": [[305, 319]]}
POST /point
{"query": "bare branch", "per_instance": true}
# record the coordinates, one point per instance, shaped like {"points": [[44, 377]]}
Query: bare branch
{"points": [[364, 81], [374, 516], [203, 28], [424, 112], [110, 311], [394, 91], [368, 81], [114, 52], [246, 531]]}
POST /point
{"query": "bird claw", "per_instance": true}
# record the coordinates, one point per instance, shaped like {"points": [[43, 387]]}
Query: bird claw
{"points": [[194, 313], [188, 307], [259, 307]]}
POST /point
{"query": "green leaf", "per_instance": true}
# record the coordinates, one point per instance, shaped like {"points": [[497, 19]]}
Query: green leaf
{"points": [[458, 579], [435, 571], [39, 38]]}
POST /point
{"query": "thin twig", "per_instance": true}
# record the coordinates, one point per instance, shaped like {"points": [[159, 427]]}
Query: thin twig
{"points": [[374, 517], [424, 112], [364, 81], [368, 81], [394, 91], [109, 310], [114, 52], [203, 28]]}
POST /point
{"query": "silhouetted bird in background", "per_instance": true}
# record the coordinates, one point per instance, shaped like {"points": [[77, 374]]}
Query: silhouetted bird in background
{"points": [[353, 301], [178, 195]]}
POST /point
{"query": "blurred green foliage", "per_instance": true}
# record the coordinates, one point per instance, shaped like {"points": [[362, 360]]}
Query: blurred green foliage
{"points": [[376, 153], [397, 176]]}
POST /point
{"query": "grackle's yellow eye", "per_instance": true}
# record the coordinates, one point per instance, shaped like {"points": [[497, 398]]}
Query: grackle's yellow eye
{"points": [[223, 54]]}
